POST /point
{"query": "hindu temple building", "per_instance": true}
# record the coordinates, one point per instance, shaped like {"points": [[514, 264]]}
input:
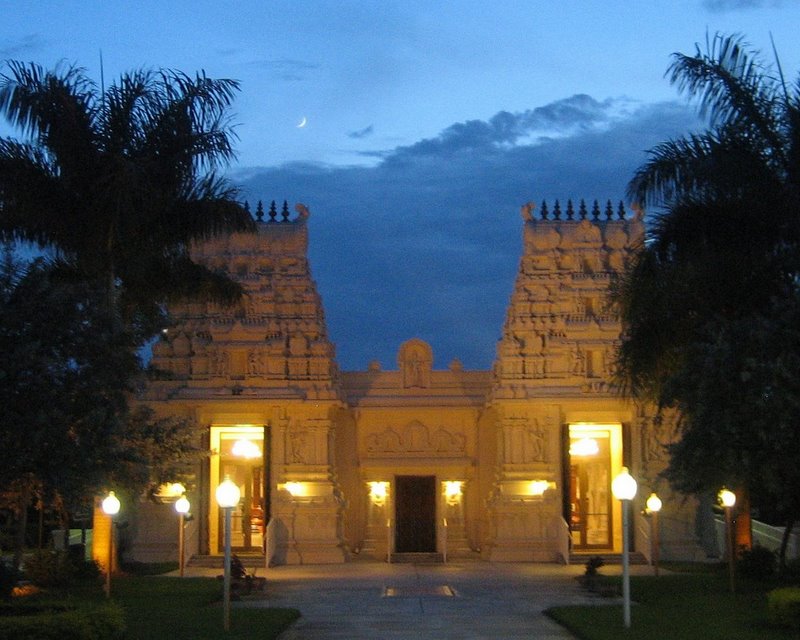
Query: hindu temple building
{"points": [[510, 464]]}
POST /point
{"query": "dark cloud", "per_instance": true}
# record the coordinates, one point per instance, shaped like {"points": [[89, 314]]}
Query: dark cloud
{"points": [[723, 6], [26, 45], [361, 133], [285, 69], [427, 242]]}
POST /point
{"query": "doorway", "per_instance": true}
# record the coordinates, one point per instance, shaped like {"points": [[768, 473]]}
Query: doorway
{"points": [[247, 518], [415, 514], [594, 456]]}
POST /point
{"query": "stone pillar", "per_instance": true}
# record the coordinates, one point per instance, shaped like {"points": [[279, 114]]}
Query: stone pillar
{"points": [[307, 508]]}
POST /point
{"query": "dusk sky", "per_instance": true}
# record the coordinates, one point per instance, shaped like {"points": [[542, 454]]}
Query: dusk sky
{"points": [[427, 125]]}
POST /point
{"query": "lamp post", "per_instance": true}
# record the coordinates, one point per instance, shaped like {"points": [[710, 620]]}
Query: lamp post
{"points": [[110, 507], [653, 507], [182, 506], [728, 499], [624, 489], [228, 495]]}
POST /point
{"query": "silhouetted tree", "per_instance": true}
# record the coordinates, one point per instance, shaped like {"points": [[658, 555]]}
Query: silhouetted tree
{"points": [[120, 180], [702, 303]]}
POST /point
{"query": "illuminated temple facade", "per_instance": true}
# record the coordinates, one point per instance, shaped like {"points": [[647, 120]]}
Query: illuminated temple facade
{"points": [[511, 464]]}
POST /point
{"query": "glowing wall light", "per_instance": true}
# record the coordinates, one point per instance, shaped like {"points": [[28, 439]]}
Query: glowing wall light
{"points": [[294, 488], [452, 491], [538, 487], [584, 447], [246, 449], [378, 491]]}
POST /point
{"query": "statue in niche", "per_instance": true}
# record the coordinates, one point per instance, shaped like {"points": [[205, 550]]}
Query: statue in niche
{"points": [[415, 371], [298, 446], [536, 443], [578, 361], [255, 362], [219, 363], [526, 210]]}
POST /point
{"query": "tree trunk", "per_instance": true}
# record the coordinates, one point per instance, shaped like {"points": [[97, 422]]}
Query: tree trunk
{"points": [[743, 525], [22, 524]]}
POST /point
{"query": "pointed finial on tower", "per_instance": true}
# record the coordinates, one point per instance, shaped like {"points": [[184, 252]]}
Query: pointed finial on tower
{"points": [[621, 211], [609, 210], [557, 211], [570, 210], [285, 211], [582, 210], [260, 211], [595, 210], [544, 210], [273, 212]]}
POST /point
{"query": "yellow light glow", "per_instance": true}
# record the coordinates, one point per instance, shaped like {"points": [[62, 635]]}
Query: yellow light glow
{"points": [[111, 504], [653, 503], [584, 447], [295, 488], [538, 487], [246, 449], [727, 498], [624, 485], [378, 491], [228, 494], [452, 491]]}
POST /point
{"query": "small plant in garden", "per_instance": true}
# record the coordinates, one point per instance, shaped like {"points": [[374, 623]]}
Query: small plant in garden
{"points": [[592, 565], [8, 580], [758, 562]]}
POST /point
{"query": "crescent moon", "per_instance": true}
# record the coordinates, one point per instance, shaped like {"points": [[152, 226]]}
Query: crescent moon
{"points": [[302, 123]]}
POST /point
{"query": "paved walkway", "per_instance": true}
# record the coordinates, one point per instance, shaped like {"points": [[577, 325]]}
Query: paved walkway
{"points": [[467, 600]]}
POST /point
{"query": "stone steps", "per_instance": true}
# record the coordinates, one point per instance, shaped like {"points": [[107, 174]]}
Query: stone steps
{"points": [[635, 557], [417, 558], [249, 560]]}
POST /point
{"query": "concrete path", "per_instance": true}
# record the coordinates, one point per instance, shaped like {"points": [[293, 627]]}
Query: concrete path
{"points": [[459, 600]]}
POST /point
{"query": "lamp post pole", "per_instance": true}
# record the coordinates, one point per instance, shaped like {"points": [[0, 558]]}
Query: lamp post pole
{"points": [[110, 507], [182, 506], [624, 489], [228, 495], [653, 507], [728, 500]]}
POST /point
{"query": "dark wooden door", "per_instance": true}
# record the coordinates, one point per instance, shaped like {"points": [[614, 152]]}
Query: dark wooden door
{"points": [[415, 514]]}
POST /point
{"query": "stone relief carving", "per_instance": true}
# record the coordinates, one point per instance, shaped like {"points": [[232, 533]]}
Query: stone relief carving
{"points": [[524, 441], [415, 439]]}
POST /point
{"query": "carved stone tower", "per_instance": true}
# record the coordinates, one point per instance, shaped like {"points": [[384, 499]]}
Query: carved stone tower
{"points": [[553, 368]]}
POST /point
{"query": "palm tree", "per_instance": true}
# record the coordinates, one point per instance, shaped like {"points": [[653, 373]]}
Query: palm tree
{"points": [[119, 181], [722, 249]]}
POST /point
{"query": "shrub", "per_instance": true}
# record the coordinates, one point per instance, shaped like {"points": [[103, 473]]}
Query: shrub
{"points": [[103, 622], [783, 607], [8, 579], [48, 568], [58, 568], [592, 565], [758, 562]]}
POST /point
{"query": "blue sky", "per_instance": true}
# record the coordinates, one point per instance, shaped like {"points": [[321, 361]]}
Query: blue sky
{"points": [[428, 125]]}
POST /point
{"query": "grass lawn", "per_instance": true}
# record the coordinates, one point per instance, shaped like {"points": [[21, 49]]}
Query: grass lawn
{"points": [[191, 609], [683, 606], [174, 608]]}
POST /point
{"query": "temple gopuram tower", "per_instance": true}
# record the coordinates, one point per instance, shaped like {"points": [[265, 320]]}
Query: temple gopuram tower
{"points": [[561, 431], [261, 381]]}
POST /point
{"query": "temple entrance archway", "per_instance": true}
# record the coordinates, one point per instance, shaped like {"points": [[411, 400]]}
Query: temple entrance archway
{"points": [[415, 514]]}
